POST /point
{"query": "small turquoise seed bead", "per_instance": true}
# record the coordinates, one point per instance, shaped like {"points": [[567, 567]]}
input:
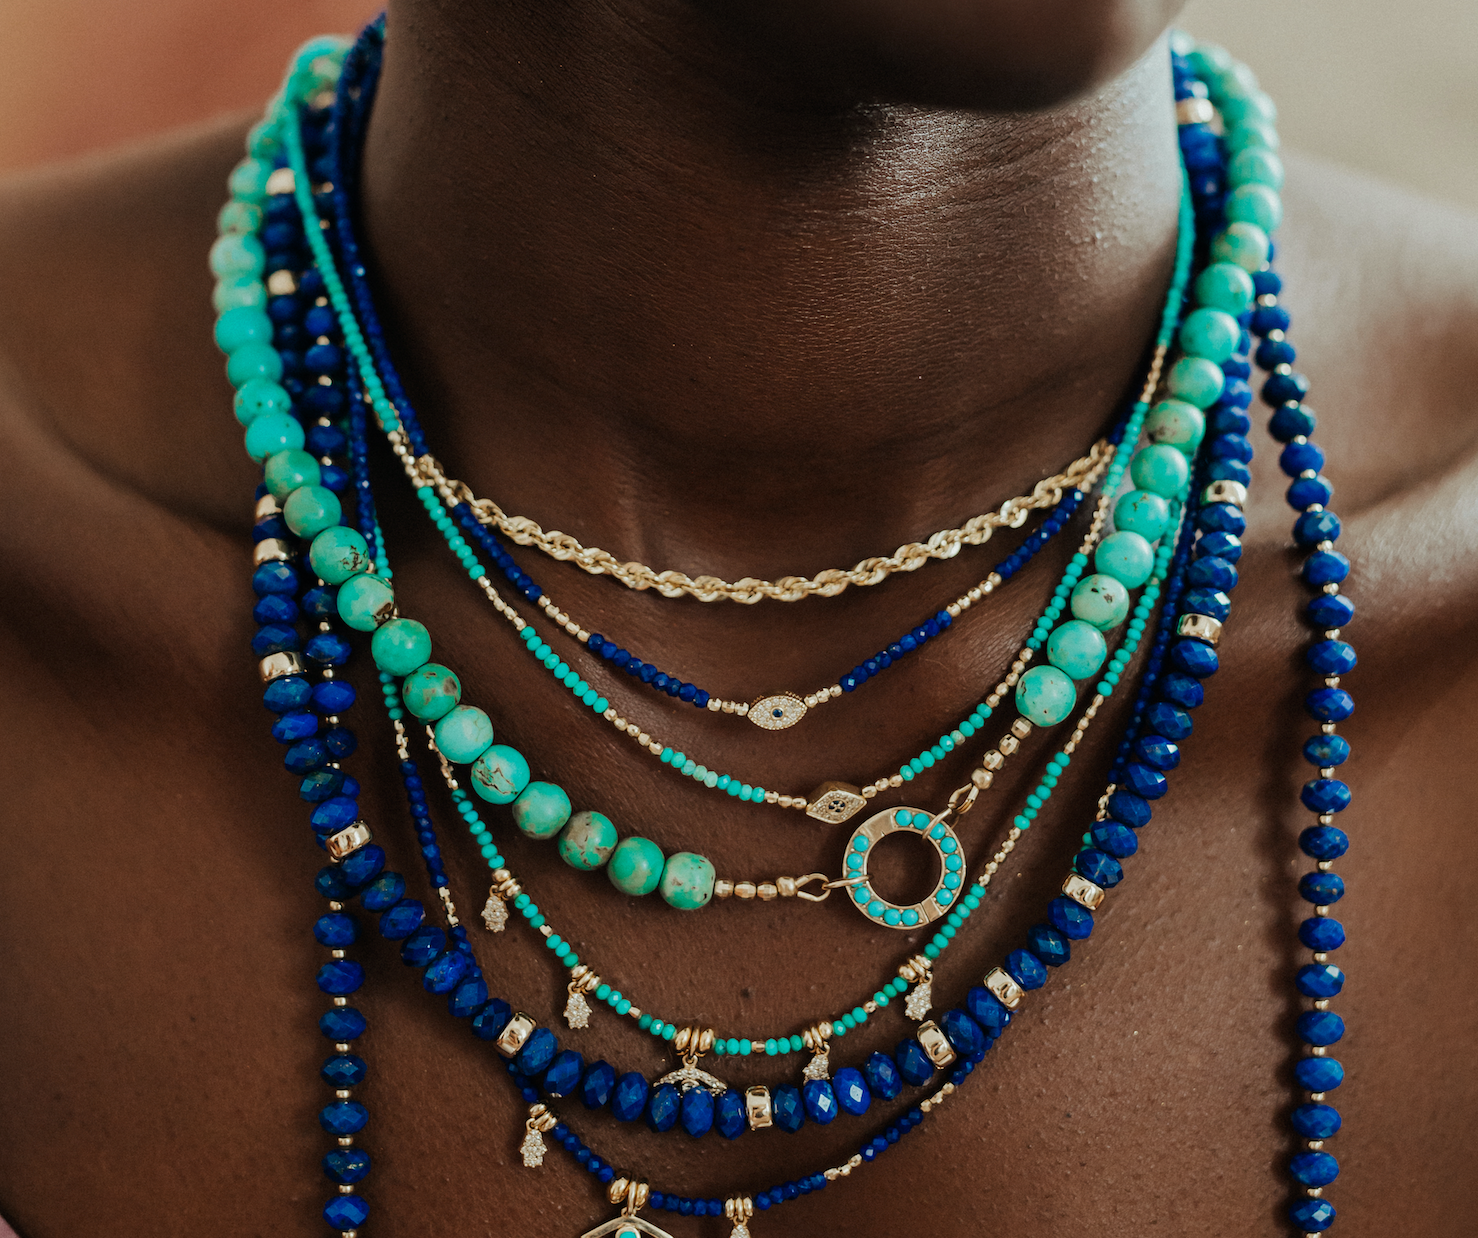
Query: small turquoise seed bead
{"points": [[1125, 556], [272, 432], [687, 881], [252, 361], [464, 734], [500, 773], [1102, 601], [1196, 381], [1045, 695], [1243, 243], [338, 553], [1225, 286], [1077, 648], [1160, 468], [1142, 512], [1210, 333], [400, 646], [365, 602], [430, 692], [1255, 166], [309, 510], [1255, 204], [587, 841], [635, 866], [288, 470]]}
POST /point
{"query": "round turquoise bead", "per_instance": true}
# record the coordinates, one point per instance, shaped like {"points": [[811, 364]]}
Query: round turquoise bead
{"points": [[271, 433], [464, 734], [1143, 512], [1255, 204], [429, 691], [242, 326], [1045, 695], [1210, 333], [1196, 380], [309, 510], [1255, 166], [587, 841], [239, 216], [1253, 135], [1210, 60], [260, 396], [253, 361], [636, 866], [1225, 286], [339, 553], [1160, 468], [1254, 107], [400, 646], [288, 470], [541, 810], [687, 881], [1177, 424], [1127, 557], [1100, 600], [248, 180], [238, 291], [500, 773], [236, 254], [365, 602], [1077, 648], [1243, 243]]}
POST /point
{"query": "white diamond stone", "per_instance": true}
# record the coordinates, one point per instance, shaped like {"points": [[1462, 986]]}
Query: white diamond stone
{"points": [[495, 914], [817, 1067], [741, 1230], [577, 1011], [919, 1001], [533, 1149]]}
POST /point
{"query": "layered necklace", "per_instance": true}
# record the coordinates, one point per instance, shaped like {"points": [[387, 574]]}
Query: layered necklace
{"points": [[1153, 572]]}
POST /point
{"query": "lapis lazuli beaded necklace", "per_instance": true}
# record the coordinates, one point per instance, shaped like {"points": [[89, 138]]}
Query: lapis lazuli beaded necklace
{"points": [[1237, 205]]}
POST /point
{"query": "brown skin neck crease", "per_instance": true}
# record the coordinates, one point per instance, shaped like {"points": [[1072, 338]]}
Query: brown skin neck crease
{"points": [[750, 290]]}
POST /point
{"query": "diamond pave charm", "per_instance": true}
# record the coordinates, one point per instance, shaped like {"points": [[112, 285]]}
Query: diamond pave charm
{"points": [[920, 998], [834, 802], [577, 1009], [776, 713], [495, 914], [533, 1149], [819, 1067]]}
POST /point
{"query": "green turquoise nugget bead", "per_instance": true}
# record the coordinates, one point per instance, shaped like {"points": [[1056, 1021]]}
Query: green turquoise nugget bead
{"points": [[1253, 135], [242, 325], [1160, 468], [309, 510], [1127, 557], [248, 180], [635, 866], [1143, 512], [400, 646], [271, 433], [1100, 600], [587, 841], [541, 810], [687, 881], [237, 253], [464, 734], [1225, 286], [253, 360], [1077, 649], [429, 691], [1256, 107], [1210, 333], [500, 773], [237, 292], [1210, 61], [1255, 166], [1255, 204], [289, 470], [1177, 424], [365, 602], [1045, 695], [1196, 380], [260, 396], [1243, 243], [339, 553]]}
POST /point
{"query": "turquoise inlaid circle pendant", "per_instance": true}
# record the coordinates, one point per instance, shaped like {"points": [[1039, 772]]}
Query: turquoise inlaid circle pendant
{"points": [[951, 868]]}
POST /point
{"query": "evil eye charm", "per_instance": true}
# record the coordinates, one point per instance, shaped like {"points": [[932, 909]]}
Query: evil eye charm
{"points": [[775, 713], [947, 891]]}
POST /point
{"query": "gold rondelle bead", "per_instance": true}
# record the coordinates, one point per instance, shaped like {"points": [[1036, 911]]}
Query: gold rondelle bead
{"points": [[1021, 728], [744, 889], [723, 888], [785, 887]]}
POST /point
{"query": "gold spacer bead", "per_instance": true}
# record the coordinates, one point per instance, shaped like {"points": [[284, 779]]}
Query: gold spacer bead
{"points": [[1021, 728], [785, 887]]}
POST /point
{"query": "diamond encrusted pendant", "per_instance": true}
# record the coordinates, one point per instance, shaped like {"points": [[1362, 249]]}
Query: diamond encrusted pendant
{"points": [[577, 1009], [819, 1067], [532, 1148], [835, 802], [917, 971], [778, 712], [495, 914], [919, 1000]]}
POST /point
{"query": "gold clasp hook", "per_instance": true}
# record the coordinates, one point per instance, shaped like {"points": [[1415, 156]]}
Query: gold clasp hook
{"points": [[802, 892]]}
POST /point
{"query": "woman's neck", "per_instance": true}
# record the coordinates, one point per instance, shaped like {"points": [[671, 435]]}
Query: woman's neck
{"points": [[649, 286]]}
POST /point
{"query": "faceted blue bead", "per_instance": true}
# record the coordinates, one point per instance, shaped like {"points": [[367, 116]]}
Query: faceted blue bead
{"points": [[1325, 567], [1324, 842], [1315, 1121], [346, 1212], [1072, 920], [1291, 421], [1330, 610], [384, 891], [1212, 573], [1324, 750], [1026, 969], [1313, 1216], [1321, 889], [1319, 980], [1147, 783], [335, 931], [305, 756], [446, 972], [1226, 546], [1099, 867], [489, 1022], [1129, 809], [1309, 492], [788, 1108], [1212, 602], [1331, 657], [1165, 719], [1194, 658], [330, 884], [1229, 447], [598, 1085], [1329, 704], [1221, 518], [1268, 318], [630, 1097], [339, 977], [853, 1094], [1224, 418], [1048, 944], [821, 1101], [468, 998], [344, 1117], [274, 638], [343, 1070], [1325, 795], [363, 866], [1322, 934], [1319, 1074], [1283, 388], [963, 1033], [288, 693], [1118, 840], [423, 945], [274, 608], [403, 919], [1299, 458], [333, 815], [729, 1116], [986, 1009], [537, 1052], [696, 1111], [342, 1023], [913, 1063], [274, 578], [321, 603], [328, 649], [290, 728], [333, 696], [563, 1075], [1267, 283], [1229, 470], [1314, 527], [322, 784], [1157, 752], [1319, 1027], [346, 1166], [1314, 1168]]}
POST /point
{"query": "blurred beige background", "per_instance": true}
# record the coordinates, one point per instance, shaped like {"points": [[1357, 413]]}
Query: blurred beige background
{"points": [[1391, 88]]}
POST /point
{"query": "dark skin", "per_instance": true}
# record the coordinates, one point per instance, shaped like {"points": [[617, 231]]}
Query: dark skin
{"points": [[655, 281]]}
